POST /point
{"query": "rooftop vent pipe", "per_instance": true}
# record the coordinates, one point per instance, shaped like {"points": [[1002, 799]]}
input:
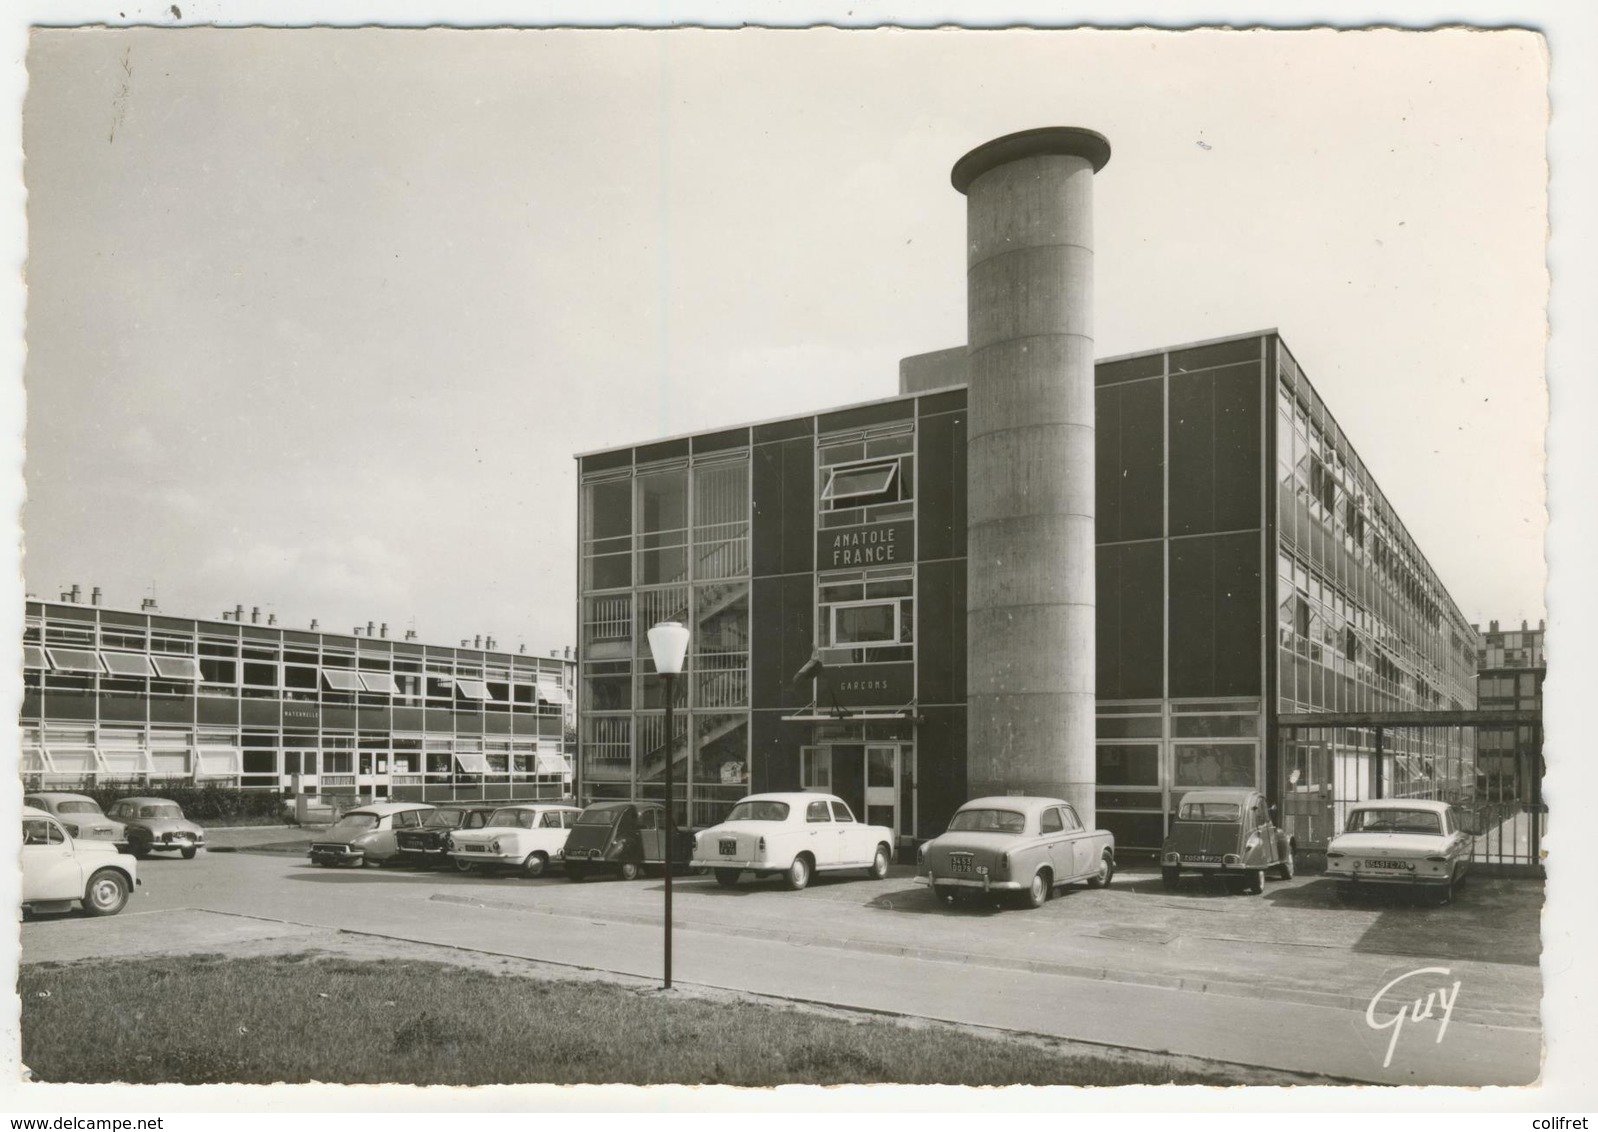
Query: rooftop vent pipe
{"points": [[315, 624], [94, 596], [255, 615]]}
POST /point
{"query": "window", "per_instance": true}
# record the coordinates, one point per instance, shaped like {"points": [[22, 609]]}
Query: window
{"points": [[473, 689], [865, 624], [40, 831], [128, 664], [1072, 822], [840, 812], [33, 657], [341, 680], [1051, 822], [817, 812], [472, 762], [550, 820], [177, 667], [857, 485], [379, 682], [74, 660]]}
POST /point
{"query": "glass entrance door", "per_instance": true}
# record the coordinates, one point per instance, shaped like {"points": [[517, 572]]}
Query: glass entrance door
{"points": [[882, 787], [876, 780]]}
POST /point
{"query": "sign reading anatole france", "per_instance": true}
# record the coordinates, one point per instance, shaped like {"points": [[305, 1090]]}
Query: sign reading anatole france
{"points": [[869, 544]]}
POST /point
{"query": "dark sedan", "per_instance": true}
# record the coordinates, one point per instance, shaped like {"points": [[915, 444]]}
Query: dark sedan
{"points": [[428, 846]]}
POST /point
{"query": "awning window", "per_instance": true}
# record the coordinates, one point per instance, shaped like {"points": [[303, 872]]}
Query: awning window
{"points": [[473, 689], [471, 762], [859, 481], [341, 680], [72, 760], [128, 664], [35, 760], [171, 761], [74, 660], [380, 682], [177, 667], [33, 657], [125, 760], [552, 693], [218, 761], [549, 762]]}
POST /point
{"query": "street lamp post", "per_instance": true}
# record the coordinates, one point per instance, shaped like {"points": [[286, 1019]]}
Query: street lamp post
{"points": [[668, 643]]}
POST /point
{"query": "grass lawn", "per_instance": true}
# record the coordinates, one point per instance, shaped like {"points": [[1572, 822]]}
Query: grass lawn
{"points": [[313, 1017]]}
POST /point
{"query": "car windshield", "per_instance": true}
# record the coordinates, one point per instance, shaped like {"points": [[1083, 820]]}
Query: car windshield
{"points": [[515, 819], [760, 811], [1394, 821], [445, 819], [353, 823], [597, 817], [988, 821], [1209, 811], [164, 810], [77, 808]]}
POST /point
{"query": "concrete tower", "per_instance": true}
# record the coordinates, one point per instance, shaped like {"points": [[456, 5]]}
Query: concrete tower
{"points": [[1030, 593]]}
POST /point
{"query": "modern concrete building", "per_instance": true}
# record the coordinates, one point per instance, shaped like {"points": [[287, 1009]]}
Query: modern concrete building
{"points": [[1028, 572], [140, 697], [1510, 673]]}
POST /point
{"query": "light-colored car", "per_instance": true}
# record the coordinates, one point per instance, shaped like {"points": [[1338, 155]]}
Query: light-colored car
{"points": [[81, 816], [526, 838], [59, 870], [792, 835], [157, 825], [365, 835], [1025, 846], [1405, 842]]}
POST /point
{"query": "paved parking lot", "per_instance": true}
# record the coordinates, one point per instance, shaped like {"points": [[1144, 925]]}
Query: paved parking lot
{"points": [[1126, 951]]}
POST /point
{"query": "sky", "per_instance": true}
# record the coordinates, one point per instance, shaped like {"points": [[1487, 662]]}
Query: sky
{"points": [[316, 319]]}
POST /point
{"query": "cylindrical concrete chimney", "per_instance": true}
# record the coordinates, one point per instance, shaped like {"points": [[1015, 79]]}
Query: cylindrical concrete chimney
{"points": [[315, 625], [94, 596], [382, 630], [271, 619], [1030, 576], [238, 613], [255, 615], [477, 641], [77, 593], [410, 634]]}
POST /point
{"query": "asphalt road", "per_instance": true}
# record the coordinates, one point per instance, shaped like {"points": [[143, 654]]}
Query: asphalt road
{"points": [[1284, 981]]}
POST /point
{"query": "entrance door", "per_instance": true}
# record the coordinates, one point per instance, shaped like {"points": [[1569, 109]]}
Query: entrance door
{"points": [[882, 788], [849, 775]]}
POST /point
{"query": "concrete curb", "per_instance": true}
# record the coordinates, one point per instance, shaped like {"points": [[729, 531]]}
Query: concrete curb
{"points": [[1226, 988]]}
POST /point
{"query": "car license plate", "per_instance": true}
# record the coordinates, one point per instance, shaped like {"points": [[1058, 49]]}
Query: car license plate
{"points": [[1206, 858], [728, 847], [1393, 866], [960, 862]]}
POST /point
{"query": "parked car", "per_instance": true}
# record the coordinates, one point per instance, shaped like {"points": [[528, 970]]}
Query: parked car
{"points": [[1226, 833], [59, 870], [428, 844], [1024, 846], [526, 837], [623, 838], [157, 825], [1403, 842], [365, 835], [794, 836], [81, 816]]}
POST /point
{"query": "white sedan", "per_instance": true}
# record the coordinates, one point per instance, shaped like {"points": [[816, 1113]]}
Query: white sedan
{"points": [[525, 838], [59, 870], [1405, 842], [794, 835]]}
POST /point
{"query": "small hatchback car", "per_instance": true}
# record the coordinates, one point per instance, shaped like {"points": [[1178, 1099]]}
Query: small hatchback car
{"points": [[623, 838], [59, 870], [157, 825], [1226, 833], [1400, 842]]}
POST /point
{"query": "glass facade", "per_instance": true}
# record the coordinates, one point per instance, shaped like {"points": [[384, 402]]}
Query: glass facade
{"points": [[140, 697]]}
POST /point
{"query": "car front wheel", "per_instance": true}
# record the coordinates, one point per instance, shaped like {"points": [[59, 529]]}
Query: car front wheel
{"points": [[534, 865], [798, 874], [1169, 877], [1254, 883], [188, 854], [1285, 870], [879, 864], [630, 870], [106, 894]]}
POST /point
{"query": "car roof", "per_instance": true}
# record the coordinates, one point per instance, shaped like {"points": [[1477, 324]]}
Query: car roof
{"points": [[60, 796], [1400, 804], [383, 809], [619, 804], [1026, 803], [1234, 795], [542, 806], [142, 798], [32, 812], [794, 798]]}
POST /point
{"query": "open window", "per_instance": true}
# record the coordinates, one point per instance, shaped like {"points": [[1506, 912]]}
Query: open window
{"points": [[551, 692], [858, 485], [379, 682], [177, 667], [127, 664], [472, 762], [341, 680], [74, 660], [472, 689]]}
